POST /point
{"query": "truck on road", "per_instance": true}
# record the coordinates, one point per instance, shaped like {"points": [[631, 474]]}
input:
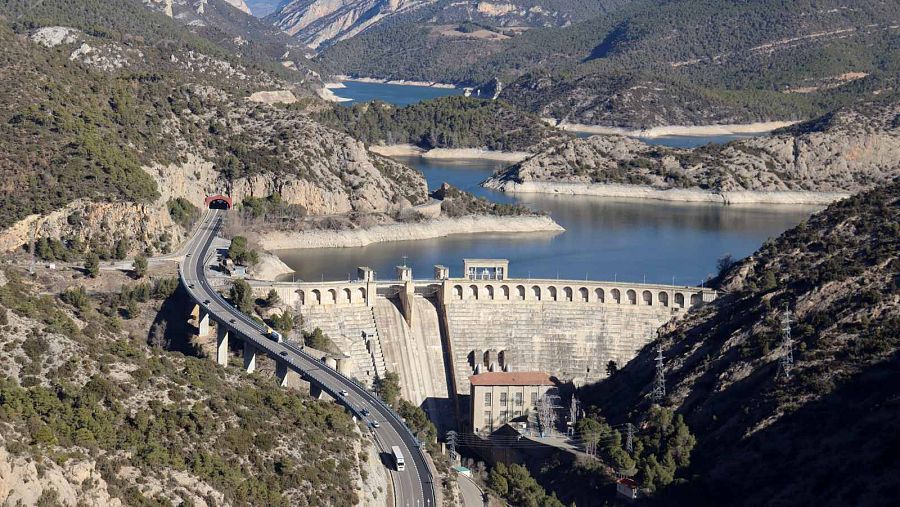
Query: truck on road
{"points": [[398, 458], [273, 335]]}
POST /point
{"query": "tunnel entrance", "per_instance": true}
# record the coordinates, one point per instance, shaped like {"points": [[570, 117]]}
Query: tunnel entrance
{"points": [[218, 202]]}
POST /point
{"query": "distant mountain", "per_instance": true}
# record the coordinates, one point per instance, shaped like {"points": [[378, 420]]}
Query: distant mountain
{"points": [[647, 63], [229, 24], [319, 23], [763, 438]]}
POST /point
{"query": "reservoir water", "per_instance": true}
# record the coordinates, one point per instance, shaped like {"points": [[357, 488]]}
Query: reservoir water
{"points": [[605, 239], [401, 95]]}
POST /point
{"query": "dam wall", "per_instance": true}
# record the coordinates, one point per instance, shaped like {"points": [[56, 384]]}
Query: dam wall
{"points": [[415, 352], [436, 333]]}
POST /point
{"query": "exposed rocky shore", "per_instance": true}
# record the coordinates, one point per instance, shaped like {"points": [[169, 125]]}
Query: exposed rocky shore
{"points": [[814, 162], [409, 150], [437, 228]]}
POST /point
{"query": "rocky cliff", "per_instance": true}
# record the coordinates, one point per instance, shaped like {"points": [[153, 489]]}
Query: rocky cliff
{"points": [[319, 23], [844, 151]]}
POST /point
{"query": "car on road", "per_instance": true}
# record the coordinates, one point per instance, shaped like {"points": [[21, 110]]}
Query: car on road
{"points": [[375, 424], [282, 353], [364, 412], [232, 321], [191, 286], [188, 255], [343, 392], [206, 301]]}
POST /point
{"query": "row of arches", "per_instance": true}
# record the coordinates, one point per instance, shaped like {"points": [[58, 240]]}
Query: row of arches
{"points": [[572, 294], [332, 296]]}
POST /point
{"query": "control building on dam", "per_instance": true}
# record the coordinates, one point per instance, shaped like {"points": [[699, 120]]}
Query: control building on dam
{"points": [[436, 333]]}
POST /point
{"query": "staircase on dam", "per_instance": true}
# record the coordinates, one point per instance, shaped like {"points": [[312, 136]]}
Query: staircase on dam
{"points": [[570, 340], [353, 330], [416, 353]]}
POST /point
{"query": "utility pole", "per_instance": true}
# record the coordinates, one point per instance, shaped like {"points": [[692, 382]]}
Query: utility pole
{"points": [[629, 438], [451, 444], [659, 388], [787, 344], [573, 414]]}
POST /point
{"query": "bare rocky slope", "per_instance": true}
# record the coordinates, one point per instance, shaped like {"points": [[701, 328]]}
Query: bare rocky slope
{"points": [[764, 438], [848, 150], [320, 23]]}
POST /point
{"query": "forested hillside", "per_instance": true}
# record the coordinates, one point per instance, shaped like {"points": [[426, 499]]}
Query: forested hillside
{"points": [[655, 63], [450, 122], [131, 114], [93, 415], [764, 437]]}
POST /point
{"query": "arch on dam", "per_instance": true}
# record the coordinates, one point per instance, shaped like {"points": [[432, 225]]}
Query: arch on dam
{"points": [[695, 300], [536, 292], [472, 293], [346, 296], [679, 300], [520, 292], [567, 294], [584, 294], [457, 291], [600, 295], [301, 297], [504, 292], [663, 299], [362, 294], [632, 296], [316, 297], [489, 292], [616, 295], [647, 298], [552, 293]]}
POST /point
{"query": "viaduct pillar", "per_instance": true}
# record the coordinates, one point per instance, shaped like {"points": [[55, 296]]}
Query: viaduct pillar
{"points": [[202, 321], [249, 357], [221, 345], [281, 373]]}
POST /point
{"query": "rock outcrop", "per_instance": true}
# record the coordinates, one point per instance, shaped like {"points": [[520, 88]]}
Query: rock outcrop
{"points": [[841, 153]]}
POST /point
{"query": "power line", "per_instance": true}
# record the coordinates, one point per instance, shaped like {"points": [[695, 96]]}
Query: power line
{"points": [[787, 344], [451, 443], [659, 386]]}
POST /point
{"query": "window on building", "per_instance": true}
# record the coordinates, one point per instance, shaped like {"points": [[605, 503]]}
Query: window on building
{"points": [[519, 399], [534, 399], [503, 399], [518, 414], [504, 416], [487, 399], [489, 418]]}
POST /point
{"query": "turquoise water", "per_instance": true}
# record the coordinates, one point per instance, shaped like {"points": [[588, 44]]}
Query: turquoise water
{"points": [[633, 240], [394, 94]]}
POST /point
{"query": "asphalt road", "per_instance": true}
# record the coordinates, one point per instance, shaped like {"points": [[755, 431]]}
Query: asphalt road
{"points": [[413, 487]]}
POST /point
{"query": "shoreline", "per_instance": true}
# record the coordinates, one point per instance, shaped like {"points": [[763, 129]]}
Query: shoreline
{"points": [[610, 190], [674, 130], [432, 229], [399, 82], [409, 150], [327, 93]]}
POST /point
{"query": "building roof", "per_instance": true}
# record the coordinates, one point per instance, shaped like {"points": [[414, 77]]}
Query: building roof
{"points": [[511, 378], [627, 481]]}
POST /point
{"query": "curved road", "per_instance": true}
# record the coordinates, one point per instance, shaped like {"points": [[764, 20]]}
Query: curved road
{"points": [[414, 486]]}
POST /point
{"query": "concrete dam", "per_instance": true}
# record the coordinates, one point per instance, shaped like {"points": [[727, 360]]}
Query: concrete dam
{"points": [[435, 333]]}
